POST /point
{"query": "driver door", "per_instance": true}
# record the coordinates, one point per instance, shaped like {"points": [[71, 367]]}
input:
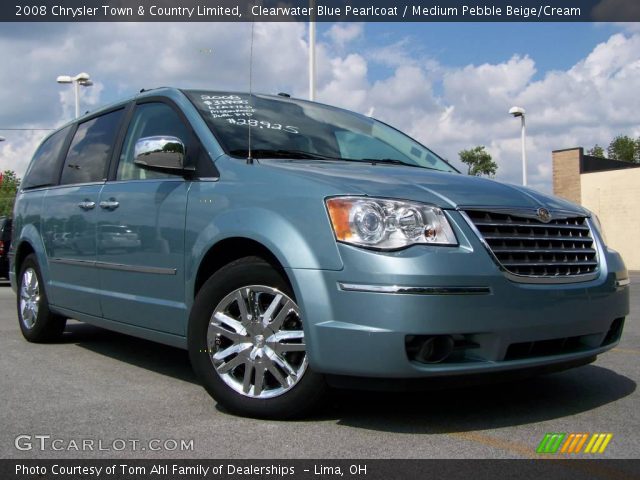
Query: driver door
{"points": [[140, 231]]}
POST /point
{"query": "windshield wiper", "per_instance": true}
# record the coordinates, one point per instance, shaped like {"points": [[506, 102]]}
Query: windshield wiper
{"points": [[393, 161], [303, 155], [281, 153], [389, 161]]}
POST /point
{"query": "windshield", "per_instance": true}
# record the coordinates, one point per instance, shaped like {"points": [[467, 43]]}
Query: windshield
{"points": [[288, 128]]}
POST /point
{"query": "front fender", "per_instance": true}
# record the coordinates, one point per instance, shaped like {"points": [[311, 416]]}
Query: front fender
{"points": [[293, 245]]}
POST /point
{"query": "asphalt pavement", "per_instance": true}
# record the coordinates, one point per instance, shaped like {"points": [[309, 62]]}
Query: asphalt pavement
{"points": [[118, 391]]}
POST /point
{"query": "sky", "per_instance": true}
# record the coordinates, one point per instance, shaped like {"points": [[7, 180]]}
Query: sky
{"points": [[448, 85]]}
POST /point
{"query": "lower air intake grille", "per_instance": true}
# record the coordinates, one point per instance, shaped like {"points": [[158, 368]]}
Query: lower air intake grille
{"points": [[525, 246]]}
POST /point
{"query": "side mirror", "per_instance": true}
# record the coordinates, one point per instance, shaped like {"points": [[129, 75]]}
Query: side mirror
{"points": [[162, 153]]}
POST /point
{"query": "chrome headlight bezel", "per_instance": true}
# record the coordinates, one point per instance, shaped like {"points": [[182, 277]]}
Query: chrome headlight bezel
{"points": [[388, 224]]}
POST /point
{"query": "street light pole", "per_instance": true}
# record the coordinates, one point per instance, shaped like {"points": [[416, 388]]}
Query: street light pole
{"points": [[520, 112], [76, 88], [312, 53], [82, 79], [524, 152]]}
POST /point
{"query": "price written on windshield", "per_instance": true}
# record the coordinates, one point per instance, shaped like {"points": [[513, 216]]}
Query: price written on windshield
{"points": [[263, 124]]}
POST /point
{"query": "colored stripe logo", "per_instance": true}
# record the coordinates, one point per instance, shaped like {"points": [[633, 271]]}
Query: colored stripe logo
{"points": [[573, 443]]}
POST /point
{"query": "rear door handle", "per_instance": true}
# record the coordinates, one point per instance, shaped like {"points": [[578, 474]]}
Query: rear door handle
{"points": [[87, 205], [110, 204]]}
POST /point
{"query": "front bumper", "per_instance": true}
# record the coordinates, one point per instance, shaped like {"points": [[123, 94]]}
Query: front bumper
{"points": [[505, 325]]}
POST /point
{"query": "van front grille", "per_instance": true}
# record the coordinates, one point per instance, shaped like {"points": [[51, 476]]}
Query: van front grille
{"points": [[526, 246]]}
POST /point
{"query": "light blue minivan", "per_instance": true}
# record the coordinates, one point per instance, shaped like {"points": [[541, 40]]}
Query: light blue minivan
{"points": [[291, 246]]}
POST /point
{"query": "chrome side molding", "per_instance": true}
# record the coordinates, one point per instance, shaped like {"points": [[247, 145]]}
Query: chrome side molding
{"points": [[114, 266], [409, 290]]}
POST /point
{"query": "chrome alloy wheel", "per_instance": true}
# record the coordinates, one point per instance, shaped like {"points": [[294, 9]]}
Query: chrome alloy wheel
{"points": [[256, 342], [29, 298]]}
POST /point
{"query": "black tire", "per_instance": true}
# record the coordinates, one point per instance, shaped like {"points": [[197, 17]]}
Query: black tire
{"points": [[46, 326], [302, 398]]}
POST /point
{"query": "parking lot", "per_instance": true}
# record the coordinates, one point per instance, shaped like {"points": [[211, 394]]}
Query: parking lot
{"points": [[100, 385]]}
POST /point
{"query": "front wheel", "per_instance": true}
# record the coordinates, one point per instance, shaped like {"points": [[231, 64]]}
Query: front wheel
{"points": [[247, 343]]}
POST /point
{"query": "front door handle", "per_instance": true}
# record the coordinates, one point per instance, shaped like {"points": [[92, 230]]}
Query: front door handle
{"points": [[110, 204], [87, 205]]}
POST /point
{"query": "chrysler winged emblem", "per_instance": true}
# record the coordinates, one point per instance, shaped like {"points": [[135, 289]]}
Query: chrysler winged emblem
{"points": [[543, 215]]}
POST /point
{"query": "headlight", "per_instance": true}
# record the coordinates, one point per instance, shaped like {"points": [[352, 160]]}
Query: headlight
{"points": [[388, 224]]}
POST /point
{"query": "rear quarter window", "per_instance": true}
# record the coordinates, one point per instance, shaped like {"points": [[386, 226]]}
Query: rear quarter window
{"points": [[44, 169]]}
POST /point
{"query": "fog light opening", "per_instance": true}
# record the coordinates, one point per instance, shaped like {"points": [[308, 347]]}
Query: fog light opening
{"points": [[435, 349]]}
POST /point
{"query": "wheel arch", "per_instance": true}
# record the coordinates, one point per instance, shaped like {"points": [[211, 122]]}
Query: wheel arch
{"points": [[29, 241], [233, 248]]}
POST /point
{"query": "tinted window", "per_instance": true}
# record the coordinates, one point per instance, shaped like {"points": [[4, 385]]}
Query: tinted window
{"points": [[149, 119], [90, 149], [354, 145], [45, 166]]}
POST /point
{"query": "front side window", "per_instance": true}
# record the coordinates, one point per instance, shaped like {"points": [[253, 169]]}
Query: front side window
{"points": [[288, 128], [45, 166], [149, 120], [90, 149]]}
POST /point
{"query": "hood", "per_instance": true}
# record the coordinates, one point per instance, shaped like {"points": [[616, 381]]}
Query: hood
{"points": [[445, 190]]}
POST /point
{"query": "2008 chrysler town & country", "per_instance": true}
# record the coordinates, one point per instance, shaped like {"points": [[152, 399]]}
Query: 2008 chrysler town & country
{"points": [[290, 245]]}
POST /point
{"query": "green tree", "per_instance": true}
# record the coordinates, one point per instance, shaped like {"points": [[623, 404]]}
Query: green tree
{"points": [[597, 151], [478, 161], [623, 148], [8, 188]]}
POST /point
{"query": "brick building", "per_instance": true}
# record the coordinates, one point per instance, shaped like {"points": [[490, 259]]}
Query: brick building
{"points": [[610, 189]]}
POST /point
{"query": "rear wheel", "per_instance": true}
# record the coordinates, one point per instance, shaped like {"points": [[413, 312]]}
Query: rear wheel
{"points": [[247, 343], [37, 322]]}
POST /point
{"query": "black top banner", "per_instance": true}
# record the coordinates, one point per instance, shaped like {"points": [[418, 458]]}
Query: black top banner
{"points": [[319, 10]]}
